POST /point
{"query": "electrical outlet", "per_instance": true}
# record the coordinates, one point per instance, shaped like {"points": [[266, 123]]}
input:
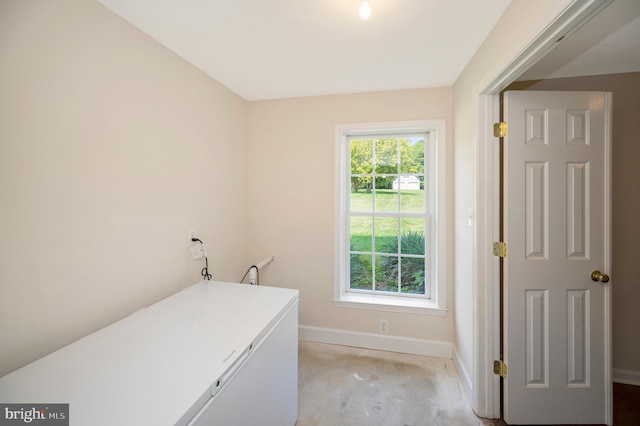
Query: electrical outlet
{"points": [[197, 248], [383, 326], [197, 251]]}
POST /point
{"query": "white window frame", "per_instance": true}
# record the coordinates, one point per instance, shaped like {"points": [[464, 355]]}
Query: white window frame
{"points": [[435, 173]]}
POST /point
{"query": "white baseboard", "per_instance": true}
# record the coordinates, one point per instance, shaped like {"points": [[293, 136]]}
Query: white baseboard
{"points": [[382, 342], [465, 379], [628, 377]]}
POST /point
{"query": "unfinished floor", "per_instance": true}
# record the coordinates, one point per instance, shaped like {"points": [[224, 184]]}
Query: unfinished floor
{"points": [[340, 385]]}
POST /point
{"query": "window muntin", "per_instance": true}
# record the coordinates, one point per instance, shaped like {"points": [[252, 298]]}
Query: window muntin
{"points": [[387, 216]]}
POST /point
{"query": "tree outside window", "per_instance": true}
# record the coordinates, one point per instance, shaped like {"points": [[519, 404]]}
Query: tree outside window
{"points": [[387, 216]]}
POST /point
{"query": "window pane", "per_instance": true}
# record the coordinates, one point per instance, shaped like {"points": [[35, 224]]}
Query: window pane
{"points": [[387, 273], [386, 158], [412, 239], [386, 200], [411, 193], [361, 157], [412, 155], [361, 271], [386, 231], [361, 234], [361, 194], [412, 275]]}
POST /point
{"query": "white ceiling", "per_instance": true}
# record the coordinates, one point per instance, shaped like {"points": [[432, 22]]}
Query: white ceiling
{"points": [[267, 49], [608, 44]]}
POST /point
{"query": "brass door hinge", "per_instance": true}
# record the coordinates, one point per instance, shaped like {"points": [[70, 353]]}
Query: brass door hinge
{"points": [[500, 368], [500, 249], [500, 129]]}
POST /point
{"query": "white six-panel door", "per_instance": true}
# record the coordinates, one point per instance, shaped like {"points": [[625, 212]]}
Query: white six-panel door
{"points": [[557, 204]]}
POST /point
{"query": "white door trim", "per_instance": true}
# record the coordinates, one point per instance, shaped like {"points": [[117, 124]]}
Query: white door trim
{"points": [[486, 388]]}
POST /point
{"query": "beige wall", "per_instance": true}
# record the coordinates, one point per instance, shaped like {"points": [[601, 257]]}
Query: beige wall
{"points": [[291, 198], [111, 148], [520, 24], [626, 203]]}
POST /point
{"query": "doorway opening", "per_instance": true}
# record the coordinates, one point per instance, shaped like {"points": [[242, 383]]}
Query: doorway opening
{"points": [[486, 391]]}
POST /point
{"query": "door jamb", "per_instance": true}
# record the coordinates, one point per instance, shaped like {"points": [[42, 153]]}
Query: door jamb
{"points": [[486, 333]]}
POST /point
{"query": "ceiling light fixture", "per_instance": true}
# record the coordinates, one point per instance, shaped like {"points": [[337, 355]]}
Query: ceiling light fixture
{"points": [[365, 10]]}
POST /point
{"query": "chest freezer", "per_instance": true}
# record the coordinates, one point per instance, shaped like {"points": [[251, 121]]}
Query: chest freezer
{"points": [[215, 353]]}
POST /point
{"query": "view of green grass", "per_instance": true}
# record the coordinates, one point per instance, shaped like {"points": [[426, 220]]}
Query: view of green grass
{"points": [[386, 241], [387, 200], [385, 228]]}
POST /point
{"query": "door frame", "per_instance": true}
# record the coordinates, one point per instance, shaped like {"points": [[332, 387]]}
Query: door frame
{"points": [[486, 205]]}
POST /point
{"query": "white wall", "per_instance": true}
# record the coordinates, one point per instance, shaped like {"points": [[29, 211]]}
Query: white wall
{"points": [[521, 22], [111, 148], [291, 196]]}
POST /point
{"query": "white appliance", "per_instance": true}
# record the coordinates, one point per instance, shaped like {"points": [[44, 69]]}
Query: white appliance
{"points": [[213, 354]]}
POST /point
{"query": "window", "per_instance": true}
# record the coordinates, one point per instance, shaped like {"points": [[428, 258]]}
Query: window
{"points": [[390, 227]]}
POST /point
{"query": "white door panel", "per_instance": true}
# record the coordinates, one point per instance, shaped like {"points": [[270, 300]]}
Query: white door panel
{"points": [[557, 320]]}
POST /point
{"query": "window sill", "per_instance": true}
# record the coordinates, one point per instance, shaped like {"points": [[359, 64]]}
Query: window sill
{"points": [[389, 304]]}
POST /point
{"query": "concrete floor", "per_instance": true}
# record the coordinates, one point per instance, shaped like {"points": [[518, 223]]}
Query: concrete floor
{"points": [[341, 385]]}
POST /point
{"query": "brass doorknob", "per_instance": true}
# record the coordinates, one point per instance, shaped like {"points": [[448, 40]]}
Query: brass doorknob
{"points": [[598, 276]]}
